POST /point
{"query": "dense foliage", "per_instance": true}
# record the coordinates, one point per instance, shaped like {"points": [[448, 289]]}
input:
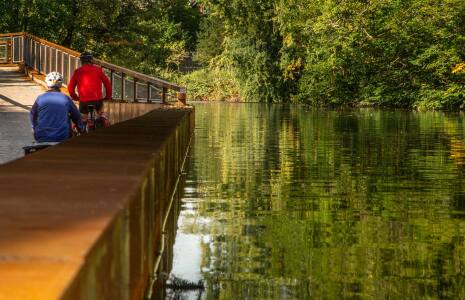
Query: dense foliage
{"points": [[345, 52], [150, 36], [406, 53]]}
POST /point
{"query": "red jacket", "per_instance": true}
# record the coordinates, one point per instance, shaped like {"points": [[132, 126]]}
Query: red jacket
{"points": [[89, 79]]}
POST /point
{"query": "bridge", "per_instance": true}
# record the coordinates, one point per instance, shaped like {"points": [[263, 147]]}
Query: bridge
{"points": [[90, 217]]}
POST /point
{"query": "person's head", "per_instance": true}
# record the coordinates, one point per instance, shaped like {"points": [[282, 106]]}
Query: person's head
{"points": [[86, 58], [54, 80]]}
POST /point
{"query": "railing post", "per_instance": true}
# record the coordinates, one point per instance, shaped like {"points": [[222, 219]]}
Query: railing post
{"points": [[135, 89], [182, 96], [69, 67], [111, 80], [122, 86], [39, 66], [148, 93], [47, 60], [9, 50], [44, 59], [163, 95], [23, 45], [56, 60], [31, 53]]}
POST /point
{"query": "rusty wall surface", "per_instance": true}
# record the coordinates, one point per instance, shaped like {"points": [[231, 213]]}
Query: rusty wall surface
{"points": [[122, 111], [158, 290], [82, 220]]}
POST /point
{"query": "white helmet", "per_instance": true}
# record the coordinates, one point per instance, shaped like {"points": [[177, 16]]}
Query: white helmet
{"points": [[54, 80]]}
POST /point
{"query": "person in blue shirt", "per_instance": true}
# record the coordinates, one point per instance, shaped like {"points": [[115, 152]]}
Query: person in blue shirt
{"points": [[51, 113]]}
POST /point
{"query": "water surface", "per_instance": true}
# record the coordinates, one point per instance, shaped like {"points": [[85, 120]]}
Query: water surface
{"points": [[284, 203]]}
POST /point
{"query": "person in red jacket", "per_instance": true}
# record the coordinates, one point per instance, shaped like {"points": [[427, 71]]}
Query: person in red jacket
{"points": [[88, 80]]}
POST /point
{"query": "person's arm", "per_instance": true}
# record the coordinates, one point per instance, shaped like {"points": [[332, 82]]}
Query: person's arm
{"points": [[33, 115], [107, 84], [75, 115], [72, 87]]}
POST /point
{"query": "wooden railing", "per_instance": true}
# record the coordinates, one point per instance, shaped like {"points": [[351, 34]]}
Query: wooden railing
{"points": [[44, 57]]}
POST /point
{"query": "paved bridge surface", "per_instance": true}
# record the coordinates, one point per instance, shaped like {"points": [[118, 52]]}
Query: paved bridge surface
{"points": [[17, 94]]}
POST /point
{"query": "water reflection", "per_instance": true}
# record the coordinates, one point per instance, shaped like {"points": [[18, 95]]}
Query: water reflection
{"points": [[284, 203]]}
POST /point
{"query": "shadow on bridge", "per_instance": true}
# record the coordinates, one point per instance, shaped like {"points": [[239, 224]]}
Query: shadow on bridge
{"points": [[15, 103]]}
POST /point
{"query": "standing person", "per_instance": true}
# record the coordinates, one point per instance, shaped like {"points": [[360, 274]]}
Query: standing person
{"points": [[89, 79], [51, 113]]}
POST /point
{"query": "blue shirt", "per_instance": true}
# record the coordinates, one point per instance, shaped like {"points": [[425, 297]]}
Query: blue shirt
{"points": [[50, 117]]}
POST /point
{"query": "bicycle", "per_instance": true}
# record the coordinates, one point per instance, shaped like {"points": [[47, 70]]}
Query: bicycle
{"points": [[89, 124], [92, 122]]}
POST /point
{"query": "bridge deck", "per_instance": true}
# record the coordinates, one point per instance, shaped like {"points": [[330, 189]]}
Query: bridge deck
{"points": [[17, 94], [74, 222]]}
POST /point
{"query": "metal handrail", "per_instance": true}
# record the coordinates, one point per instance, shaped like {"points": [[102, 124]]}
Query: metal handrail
{"points": [[11, 34], [128, 85]]}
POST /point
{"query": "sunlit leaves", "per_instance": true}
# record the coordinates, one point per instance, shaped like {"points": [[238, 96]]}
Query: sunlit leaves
{"points": [[458, 68]]}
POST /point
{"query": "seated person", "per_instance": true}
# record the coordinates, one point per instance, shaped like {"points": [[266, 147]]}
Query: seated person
{"points": [[51, 113]]}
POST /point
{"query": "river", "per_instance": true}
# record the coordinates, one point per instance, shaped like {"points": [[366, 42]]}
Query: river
{"points": [[281, 202]]}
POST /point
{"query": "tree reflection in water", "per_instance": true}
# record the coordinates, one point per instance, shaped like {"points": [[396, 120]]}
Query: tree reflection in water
{"points": [[295, 204]]}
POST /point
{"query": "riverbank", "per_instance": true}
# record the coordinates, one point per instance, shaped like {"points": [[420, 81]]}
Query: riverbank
{"points": [[220, 83], [216, 85]]}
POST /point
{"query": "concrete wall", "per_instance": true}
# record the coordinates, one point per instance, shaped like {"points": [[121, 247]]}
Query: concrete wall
{"points": [[82, 220]]}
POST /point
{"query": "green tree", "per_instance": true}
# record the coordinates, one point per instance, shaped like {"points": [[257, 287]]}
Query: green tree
{"points": [[141, 34], [250, 47]]}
